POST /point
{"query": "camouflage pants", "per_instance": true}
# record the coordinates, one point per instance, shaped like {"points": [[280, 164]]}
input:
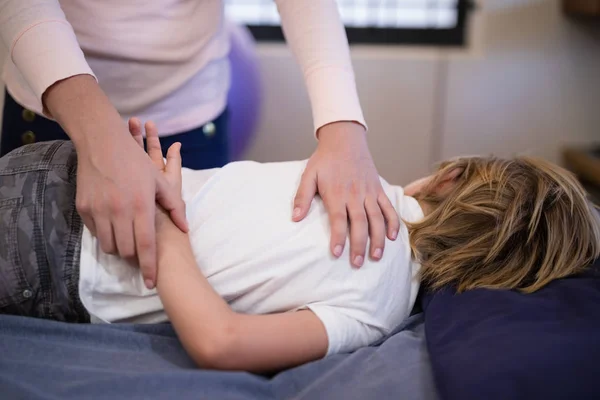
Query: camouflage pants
{"points": [[40, 233]]}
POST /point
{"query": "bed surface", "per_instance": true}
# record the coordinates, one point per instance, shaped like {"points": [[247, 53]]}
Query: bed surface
{"points": [[49, 360]]}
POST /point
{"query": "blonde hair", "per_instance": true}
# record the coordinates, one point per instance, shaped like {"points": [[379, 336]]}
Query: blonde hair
{"points": [[504, 224]]}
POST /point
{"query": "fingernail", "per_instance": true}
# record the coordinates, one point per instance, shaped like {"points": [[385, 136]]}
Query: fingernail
{"points": [[296, 212], [377, 253], [394, 235], [337, 251], [149, 284], [358, 261]]}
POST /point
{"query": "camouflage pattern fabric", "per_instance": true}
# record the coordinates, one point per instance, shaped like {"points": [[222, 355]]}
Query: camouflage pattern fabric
{"points": [[40, 233]]}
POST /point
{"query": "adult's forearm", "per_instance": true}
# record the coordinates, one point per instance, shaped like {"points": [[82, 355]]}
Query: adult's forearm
{"points": [[316, 36], [80, 106]]}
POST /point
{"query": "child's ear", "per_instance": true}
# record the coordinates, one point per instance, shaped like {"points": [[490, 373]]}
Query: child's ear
{"points": [[454, 174], [449, 180]]}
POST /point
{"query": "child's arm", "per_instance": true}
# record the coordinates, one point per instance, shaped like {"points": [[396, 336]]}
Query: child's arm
{"points": [[215, 336]]}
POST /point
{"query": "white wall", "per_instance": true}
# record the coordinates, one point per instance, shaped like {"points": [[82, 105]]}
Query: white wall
{"points": [[532, 84], [536, 86]]}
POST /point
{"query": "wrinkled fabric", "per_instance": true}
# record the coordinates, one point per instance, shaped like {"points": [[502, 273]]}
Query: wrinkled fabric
{"points": [[51, 360]]}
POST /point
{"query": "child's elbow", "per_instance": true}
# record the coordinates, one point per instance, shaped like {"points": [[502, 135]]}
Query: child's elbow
{"points": [[210, 358], [215, 353]]}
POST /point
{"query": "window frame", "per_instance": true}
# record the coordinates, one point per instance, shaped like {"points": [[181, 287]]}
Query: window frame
{"points": [[444, 37]]}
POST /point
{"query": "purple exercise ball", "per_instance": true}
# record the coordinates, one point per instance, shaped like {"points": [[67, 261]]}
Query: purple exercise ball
{"points": [[244, 98]]}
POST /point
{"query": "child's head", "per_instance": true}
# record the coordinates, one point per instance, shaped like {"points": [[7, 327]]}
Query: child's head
{"points": [[505, 224]]}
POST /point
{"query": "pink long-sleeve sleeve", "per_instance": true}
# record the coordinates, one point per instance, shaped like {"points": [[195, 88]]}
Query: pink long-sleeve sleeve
{"points": [[41, 43], [315, 33]]}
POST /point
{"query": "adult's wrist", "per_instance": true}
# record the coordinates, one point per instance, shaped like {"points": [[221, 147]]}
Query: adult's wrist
{"points": [[82, 109], [340, 130]]}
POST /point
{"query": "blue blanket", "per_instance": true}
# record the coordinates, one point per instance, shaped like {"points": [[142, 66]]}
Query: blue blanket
{"points": [[51, 360]]}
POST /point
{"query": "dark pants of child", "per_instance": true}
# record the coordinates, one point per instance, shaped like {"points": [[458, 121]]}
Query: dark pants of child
{"points": [[40, 233]]}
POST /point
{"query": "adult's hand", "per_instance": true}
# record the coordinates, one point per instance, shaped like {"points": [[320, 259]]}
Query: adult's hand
{"points": [[342, 172], [117, 184]]}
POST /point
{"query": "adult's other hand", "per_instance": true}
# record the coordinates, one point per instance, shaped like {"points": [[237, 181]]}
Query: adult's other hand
{"points": [[342, 172]]}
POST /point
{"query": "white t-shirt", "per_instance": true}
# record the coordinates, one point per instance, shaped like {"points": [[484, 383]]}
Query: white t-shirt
{"points": [[260, 262]]}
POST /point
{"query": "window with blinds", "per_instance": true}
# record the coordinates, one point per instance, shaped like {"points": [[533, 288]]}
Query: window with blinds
{"points": [[432, 22]]}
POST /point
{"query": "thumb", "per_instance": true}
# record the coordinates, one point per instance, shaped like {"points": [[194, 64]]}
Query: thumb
{"points": [[304, 196], [171, 202]]}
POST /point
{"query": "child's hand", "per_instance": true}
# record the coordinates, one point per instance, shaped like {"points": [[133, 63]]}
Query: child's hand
{"points": [[172, 169]]}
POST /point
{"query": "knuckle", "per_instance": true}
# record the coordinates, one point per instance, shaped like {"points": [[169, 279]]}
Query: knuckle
{"points": [[83, 205], [140, 205], [358, 236], [338, 218], [128, 252], [338, 235], [356, 189], [108, 248], [394, 221], [377, 229], [98, 211], [378, 241], [358, 217], [359, 233], [143, 259], [337, 190], [389, 209], [374, 214], [144, 243], [384, 200], [116, 206], [339, 231], [376, 224]]}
